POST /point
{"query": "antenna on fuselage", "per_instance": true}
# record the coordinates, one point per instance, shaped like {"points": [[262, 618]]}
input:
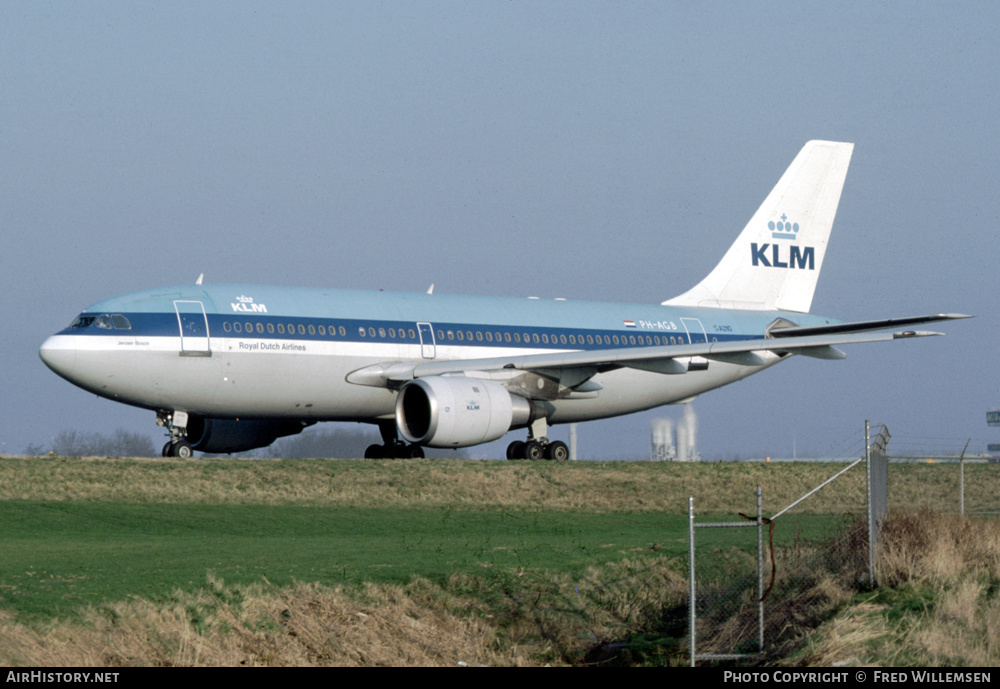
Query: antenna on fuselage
{"points": [[200, 278], [430, 290]]}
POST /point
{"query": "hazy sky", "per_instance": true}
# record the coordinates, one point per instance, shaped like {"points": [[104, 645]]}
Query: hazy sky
{"points": [[605, 151]]}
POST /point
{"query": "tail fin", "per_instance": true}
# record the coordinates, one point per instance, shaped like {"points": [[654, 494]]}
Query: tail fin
{"points": [[776, 260]]}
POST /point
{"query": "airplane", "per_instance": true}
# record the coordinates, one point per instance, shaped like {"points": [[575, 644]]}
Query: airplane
{"points": [[229, 368]]}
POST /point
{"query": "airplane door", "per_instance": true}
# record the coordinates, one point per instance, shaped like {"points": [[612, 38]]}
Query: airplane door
{"points": [[427, 348], [695, 330], [193, 324]]}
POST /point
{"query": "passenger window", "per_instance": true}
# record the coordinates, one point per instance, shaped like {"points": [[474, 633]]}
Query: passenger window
{"points": [[381, 333], [460, 336], [281, 328], [361, 331], [392, 333], [322, 330], [413, 334], [479, 336], [226, 327], [312, 329], [343, 331], [371, 331], [260, 328], [237, 327]]}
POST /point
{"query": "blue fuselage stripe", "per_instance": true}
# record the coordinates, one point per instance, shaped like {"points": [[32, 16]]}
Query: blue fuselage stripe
{"points": [[274, 327]]}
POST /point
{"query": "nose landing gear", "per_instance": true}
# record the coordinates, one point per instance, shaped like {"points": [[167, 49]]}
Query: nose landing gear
{"points": [[176, 425]]}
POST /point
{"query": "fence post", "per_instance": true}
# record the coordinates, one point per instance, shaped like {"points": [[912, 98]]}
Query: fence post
{"points": [[691, 602], [760, 570]]}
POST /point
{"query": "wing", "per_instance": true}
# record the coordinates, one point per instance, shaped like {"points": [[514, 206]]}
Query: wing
{"points": [[573, 371]]}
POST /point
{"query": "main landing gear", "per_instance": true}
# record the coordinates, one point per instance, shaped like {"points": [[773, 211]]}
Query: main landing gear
{"points": [[392, 447], [176, 425], [538, 446], [538, 449]]}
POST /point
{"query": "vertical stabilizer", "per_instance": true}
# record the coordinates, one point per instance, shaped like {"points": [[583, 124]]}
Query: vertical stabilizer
{"points": [[776, 260]]}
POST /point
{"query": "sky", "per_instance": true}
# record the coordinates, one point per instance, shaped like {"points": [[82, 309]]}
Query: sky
{"points": [[587, 150]]}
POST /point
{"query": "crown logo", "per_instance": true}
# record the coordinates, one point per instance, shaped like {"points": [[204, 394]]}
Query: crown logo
{"points": [[249, 300], [783, 229]]}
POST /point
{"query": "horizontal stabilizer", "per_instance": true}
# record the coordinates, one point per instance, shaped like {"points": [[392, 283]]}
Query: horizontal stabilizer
{"points": [[862, 326]]}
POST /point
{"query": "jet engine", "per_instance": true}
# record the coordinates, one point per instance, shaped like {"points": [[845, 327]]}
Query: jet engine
{"points": [[446, 411], [229, 435]]}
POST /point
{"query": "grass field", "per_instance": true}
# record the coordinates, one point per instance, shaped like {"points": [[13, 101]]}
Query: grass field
{"points": [[57, 556], [85, 535]]}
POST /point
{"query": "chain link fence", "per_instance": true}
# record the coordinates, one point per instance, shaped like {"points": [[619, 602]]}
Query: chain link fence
{"points": [[755, 584]]}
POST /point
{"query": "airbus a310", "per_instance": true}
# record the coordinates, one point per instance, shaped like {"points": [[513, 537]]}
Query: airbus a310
{"points": [[228, 368]]}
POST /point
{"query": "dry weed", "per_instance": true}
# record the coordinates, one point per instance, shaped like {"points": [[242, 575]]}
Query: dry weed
{"points": [[258, 625]]}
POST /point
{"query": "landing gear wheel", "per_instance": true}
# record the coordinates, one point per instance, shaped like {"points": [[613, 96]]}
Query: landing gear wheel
{"points": [[557, 451], [533, 450], [166, 450], [516, 450], [414, 452], [181, 448], [375, 452]]}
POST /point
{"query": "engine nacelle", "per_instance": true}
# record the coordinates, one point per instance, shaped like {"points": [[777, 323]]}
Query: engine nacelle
{"points": [[229, 435], [445, 411]]}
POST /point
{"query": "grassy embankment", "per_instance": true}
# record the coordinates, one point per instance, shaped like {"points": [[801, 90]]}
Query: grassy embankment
{"points": [[432, 562]]}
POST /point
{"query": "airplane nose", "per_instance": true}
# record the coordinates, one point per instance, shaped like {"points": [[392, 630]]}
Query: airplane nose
{"points": [[58, 356]]}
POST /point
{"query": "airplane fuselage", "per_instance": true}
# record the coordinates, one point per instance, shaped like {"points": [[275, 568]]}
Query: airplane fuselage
{"points": [[241, 351]]}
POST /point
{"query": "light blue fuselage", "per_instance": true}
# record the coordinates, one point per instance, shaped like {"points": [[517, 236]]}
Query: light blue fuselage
{"points": [[253, 352]]}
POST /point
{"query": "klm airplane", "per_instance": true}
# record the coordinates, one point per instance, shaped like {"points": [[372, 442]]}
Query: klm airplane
{"points": [[228, 368]]}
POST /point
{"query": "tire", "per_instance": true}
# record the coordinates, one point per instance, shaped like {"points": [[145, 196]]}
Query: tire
{"points": [[375, 452], [182, 449], [516, 450], [557, 451], [533, 450]]}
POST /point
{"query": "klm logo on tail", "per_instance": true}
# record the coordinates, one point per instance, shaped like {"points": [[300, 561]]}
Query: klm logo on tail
{"points": [[795, 258]]}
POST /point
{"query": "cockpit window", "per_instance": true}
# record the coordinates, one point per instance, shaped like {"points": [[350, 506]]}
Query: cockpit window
{"points": [[83, 321], [106, 321]]}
